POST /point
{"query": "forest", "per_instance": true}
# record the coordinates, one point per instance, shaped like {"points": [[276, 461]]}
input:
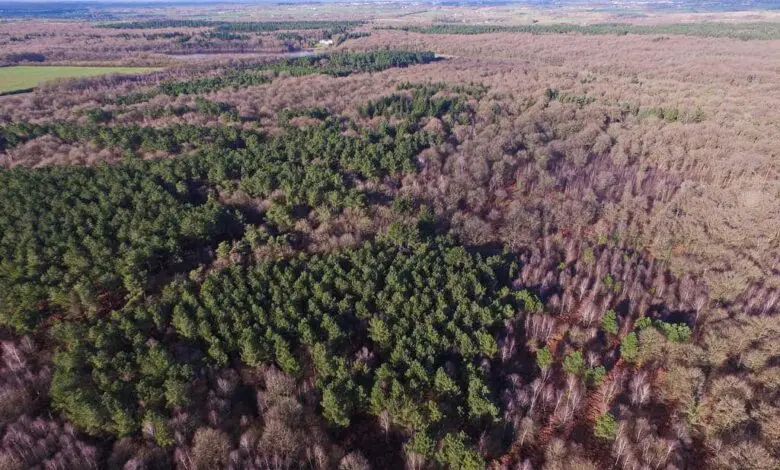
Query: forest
{"points": [[428, 245], [742, 31]]}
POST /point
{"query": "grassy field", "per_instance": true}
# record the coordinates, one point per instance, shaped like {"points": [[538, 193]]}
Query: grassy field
{"points": [[25, 77]]}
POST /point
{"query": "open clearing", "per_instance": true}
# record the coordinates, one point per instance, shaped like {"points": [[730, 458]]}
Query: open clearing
{"points": [[24, 77]]}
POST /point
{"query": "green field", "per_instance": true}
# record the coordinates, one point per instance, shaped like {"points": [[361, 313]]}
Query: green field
{"points": [[26, 77]]}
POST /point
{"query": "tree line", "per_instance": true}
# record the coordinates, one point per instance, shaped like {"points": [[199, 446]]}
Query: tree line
{"points": [[243, 26], [339, 64], [743, 31]]}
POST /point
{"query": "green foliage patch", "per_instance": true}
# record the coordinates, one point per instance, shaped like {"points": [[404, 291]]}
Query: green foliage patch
{"points": [[339, 64], [386, 328], [605, 427], [70, 236]]}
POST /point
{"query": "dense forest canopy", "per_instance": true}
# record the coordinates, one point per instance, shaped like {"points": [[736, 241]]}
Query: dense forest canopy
{"points": [[521, 251]]}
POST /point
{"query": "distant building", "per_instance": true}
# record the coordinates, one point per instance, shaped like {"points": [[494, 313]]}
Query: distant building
{"points": [[326, 42]]}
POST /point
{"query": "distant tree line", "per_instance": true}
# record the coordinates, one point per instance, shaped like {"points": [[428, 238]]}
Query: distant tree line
{"points": [[743, 31], [235, 26]]}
